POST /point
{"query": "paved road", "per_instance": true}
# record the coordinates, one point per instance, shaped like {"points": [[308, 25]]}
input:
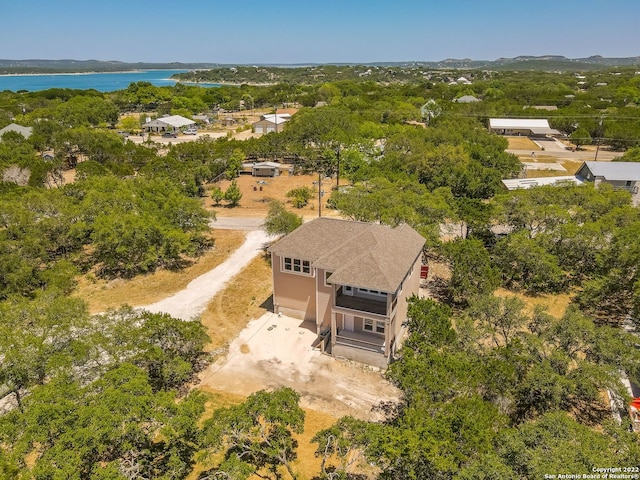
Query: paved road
{"points": [[581, 156], [237, 223]]}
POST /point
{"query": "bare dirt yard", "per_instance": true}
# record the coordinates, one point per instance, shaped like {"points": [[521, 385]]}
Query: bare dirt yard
{"points": [[258, 192], [275, 351]]}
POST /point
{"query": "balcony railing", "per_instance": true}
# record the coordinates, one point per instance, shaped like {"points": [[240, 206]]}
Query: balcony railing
{"points": [[362, 304], [363, 341]]}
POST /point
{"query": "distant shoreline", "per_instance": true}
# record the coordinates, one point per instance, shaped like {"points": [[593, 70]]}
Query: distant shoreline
{"points": [[86, 73]]}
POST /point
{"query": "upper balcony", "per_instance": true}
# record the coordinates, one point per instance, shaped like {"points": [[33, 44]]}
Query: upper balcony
{"points": [[362, 304]]}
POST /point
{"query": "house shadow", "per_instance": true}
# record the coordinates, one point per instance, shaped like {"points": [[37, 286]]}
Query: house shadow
{"points": [[267, 304]]}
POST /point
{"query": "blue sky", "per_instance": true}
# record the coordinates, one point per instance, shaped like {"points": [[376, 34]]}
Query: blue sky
{"points": [[288, 31]]}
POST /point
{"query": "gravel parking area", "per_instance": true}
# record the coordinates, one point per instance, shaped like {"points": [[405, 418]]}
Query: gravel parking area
{"points": [[275, 351]]}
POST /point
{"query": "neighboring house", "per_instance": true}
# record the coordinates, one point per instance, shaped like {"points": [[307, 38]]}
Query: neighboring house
{"points": [[14, 127], [173, 123], [271, 123], [622, 175], [352, 281], [522, 126], [204, 119], [264, 169], [48, 155]]}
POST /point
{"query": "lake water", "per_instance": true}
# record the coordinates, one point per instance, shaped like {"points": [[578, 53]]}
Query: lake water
{"points": [[103, 82]]}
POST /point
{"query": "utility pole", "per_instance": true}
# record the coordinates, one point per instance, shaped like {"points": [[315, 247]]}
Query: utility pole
{"points": [[338, 167], [599, 139], [319, 195]]}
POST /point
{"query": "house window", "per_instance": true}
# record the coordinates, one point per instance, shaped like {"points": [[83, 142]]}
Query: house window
{"points": [[326, 278], [372, 292], [347, 288], [296, 265], [373, 326]]}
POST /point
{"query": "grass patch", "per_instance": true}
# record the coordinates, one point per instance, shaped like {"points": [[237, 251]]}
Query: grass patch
{"points": [[522, 143], [556, 305], [246, 297], [102, 295]]}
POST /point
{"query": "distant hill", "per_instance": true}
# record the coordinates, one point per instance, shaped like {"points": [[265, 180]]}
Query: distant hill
{"points": [[81, 66], [543, 63]]}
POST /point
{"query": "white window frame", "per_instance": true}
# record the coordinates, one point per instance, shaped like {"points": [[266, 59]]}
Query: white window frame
{"points": [[327, 274], [374, 326], [372, 292], [297, 266]]}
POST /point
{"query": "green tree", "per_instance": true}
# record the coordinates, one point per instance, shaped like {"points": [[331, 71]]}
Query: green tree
{"points": [[580, 136], [279, 221], [233, 195], [300, 196], [472, 272], [217, 195], [234, 164], [527, 265], [256, 436]]}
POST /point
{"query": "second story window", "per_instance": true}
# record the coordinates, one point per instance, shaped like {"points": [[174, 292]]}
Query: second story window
{"points": [[296, 265]]}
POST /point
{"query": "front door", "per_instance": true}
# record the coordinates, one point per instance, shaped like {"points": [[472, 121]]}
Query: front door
{"points": [[348, 322]]}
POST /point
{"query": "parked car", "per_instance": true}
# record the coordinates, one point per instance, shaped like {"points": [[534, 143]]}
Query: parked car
{"points": [[169, 135], [190, 131]]}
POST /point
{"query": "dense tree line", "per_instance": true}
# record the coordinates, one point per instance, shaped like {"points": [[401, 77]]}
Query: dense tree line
{"points": [[504, 394], [111, 226]]}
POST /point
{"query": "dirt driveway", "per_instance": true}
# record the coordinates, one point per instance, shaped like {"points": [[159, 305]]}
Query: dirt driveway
{"points": [[275, 351], [191, 302]]}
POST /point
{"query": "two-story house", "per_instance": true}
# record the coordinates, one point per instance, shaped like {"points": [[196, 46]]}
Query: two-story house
{"points": [[352, 280]]}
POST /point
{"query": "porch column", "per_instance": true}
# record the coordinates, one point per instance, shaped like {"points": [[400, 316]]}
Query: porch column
{"points": [[334, 330], [387, 327]]}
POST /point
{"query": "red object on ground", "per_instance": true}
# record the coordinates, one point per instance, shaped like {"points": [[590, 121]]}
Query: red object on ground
{"points": [[424, 271], [635, 403]]}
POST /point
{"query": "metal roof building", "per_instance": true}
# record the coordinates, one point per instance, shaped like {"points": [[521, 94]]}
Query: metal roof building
{"points": [[524, 183], [172, 123], [523, 126], [14, 127]]}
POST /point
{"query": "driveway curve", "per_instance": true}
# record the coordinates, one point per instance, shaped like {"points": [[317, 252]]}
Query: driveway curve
{"points": [[191, 302]]}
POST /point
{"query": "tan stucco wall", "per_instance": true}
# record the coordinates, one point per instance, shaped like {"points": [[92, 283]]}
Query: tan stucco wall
{"points": [[410, 287], [324, 301], [293, 294]]}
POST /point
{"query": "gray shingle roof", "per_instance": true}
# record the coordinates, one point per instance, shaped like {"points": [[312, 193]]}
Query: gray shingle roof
{"points": [[360, 254]]}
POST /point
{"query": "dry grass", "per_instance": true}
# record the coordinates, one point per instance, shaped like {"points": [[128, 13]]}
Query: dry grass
{"points": [[255, 202], [556, 305], [145, 289], [307, 465], [246, 297], [522, 143], [572, 166]]}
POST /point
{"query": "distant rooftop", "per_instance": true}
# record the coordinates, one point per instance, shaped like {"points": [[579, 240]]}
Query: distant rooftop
{"points": [[14, 127], [615, 171], [524, 183]]}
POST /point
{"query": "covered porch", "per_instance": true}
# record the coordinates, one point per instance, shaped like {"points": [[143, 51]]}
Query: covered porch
{"points": [[361, 347]]}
